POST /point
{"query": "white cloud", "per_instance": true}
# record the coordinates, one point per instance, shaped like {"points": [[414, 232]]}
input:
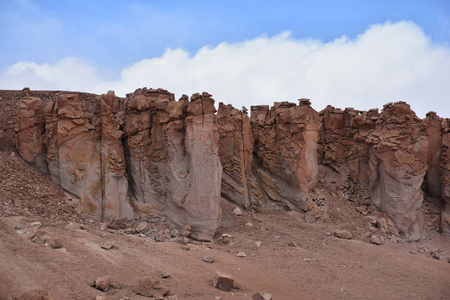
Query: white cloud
{"points": [[388, 62]]}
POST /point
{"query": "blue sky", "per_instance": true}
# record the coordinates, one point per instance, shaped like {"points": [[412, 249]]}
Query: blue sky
{"points": [[112, 44]]}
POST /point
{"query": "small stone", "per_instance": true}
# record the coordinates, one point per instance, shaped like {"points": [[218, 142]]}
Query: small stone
{"points": [[103, 283], [265, 296], [382, 224], [116, 224], [100, 297], [13, 154], [74, 226], [343, 234], [18, 227], [249, 224], [185, 248], [217, 298], [292, 244], [142, 227], [164, 275], [309, 259], [258, 244], [241, 254], [361, 208], [39, 237], [106, 245], [208, 259], [54, 243], [223, 281], [186, 231], [375, 239], [237, 211], [149, 287], [36, 225]]}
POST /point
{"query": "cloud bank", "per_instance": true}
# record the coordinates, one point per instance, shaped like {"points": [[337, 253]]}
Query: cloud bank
{"points": [[388, 62]]}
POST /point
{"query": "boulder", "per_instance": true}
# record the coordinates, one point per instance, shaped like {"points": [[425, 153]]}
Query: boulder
{"points": [[150, 288], [223, 281]]}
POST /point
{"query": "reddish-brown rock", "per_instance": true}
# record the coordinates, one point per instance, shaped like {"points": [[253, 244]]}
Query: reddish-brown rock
{"points": [[286, 139], [174, 165], [445, 176], [434, 136], [398, 162], [29, 129], [236, 145]]}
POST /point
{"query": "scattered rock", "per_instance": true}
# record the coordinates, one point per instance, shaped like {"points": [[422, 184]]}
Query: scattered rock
{"points": [[150, 288], [292, 244], [186, 231], [36, 225], [258, 244], [226, 239], [265, 296], [343, 234], [116, 224], [310, 259], [75, 226], [241, 254], [164, 275], [208, 259], [223, 281], [35, 294], [237, 211], [39, 237], [375, 239], [107, 245], [103, 283], [54, 243], [249, 224], [18, 227], [100, 297], [142, 227]]}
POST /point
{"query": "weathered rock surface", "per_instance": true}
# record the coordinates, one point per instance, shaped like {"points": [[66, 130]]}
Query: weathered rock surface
{"points": [[174, 165], [151, 157], [445, 177], [286, 139], [236, 145], [29, 129]]}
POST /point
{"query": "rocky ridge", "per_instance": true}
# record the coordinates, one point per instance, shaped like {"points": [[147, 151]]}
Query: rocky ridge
{"points": [[148, 156]]}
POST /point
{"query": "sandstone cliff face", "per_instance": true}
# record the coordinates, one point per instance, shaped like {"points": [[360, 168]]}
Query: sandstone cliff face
{"points": [[236, 145], [173, 164], [151, 156], [445, 176], [286, 139], [29, 130], [398, 163]]}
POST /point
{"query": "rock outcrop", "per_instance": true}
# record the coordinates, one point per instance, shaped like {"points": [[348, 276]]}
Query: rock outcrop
{"points": [[29, 130], [174, 165], [236, 145], [398, 163], [151, 157], [286, 139], [445, 176]]}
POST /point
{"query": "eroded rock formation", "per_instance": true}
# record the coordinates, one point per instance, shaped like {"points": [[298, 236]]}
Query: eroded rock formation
{"points": [[150, 156], [236, 145], [445, 176], [173, 164], [286, 139]]}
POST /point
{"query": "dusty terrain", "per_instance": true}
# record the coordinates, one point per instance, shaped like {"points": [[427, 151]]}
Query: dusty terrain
{"points": [[295, 260]]}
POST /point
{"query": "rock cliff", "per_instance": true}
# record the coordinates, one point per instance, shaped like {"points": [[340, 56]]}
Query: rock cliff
{"points": [[148, 156]]}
